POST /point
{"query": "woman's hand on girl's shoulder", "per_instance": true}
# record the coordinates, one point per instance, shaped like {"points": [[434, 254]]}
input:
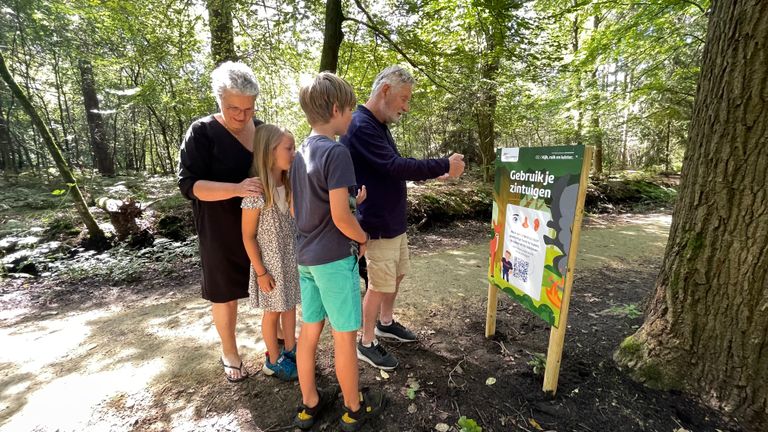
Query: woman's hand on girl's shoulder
{"points": [[250, 187]]}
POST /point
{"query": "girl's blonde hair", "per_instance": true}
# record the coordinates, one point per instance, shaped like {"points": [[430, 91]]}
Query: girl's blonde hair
{"points": [[265, 141]]}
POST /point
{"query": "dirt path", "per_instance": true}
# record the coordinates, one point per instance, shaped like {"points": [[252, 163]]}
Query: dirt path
{"points": [[145, 358]]}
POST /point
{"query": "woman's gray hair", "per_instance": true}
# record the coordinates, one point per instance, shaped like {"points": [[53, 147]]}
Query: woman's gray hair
{"points": [[395, 76], [235, 77]]}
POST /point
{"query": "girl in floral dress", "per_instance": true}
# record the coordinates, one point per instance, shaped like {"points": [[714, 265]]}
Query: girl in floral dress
{"points": [[269, 235]]}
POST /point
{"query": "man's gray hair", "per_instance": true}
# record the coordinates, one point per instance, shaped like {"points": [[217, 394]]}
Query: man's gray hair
{"points": [[395, 76], [235, 77]]}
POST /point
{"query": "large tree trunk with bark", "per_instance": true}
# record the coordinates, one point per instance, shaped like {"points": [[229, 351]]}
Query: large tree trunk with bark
{"points": [[332, 37], [222, 33], [706, 329], [99, 146], [94, 231]]}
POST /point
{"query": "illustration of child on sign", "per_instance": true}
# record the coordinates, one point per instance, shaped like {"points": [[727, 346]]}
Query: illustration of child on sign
{"points": [[506, 265], [494, 245]]}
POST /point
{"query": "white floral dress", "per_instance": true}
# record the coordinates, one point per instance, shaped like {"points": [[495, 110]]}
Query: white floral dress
{"points": [[276, 235]]}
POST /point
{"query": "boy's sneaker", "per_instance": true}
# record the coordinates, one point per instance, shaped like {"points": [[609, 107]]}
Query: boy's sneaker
{"points": [[284, 368], [370, 404], [306, 416], [376, 356], [291, 355], [394, 331]]}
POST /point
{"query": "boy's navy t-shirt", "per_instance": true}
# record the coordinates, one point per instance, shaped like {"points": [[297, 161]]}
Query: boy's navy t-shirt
{"points": [[321, 165]]}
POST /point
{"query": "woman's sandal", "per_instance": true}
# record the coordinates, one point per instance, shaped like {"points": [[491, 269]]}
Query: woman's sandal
{"points": [[243, 373]]}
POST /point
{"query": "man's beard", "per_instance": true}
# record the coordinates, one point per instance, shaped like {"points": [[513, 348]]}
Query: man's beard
{"points": [[394, 118]]}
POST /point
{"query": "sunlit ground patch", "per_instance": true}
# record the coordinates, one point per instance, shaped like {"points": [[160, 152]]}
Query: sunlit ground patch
{"points": [[67, 403], [34, 346]]}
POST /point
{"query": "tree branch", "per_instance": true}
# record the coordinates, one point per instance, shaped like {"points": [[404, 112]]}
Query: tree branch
{"points": [[373, 27], [698, 6]]}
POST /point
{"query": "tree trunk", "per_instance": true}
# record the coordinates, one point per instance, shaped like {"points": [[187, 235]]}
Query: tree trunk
{"points": [[596, 133], [6, 151], [133, 154], [222, 33], [706, 329], [25, 159], [26, 62], [495, 38], [169, 159], [576, 91], [486, 110], [64, 128], [668, 150], [597, 140], [95, 233], [625, 127], [101, 152], [73, 128], [332, 37], [151, 143]]}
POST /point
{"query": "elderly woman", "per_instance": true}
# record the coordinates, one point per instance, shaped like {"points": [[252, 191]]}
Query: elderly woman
{"points": [[213, 173]]}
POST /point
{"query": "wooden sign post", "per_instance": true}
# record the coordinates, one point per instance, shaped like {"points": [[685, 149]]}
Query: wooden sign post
{"points": [[557, 334], [538, 205]]}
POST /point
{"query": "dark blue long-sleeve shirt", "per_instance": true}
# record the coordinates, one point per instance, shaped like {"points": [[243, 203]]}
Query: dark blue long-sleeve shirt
{"points": [[379, 166]]}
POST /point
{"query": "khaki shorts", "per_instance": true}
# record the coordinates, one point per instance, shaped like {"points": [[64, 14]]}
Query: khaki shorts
{"points": [[387, 260]]}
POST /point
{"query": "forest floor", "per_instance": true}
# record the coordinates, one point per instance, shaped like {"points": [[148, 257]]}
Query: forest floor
{"points": [[142, 355]]}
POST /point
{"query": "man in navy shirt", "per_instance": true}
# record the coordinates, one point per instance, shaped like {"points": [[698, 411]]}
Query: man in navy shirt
{"points": [[379, 166]]}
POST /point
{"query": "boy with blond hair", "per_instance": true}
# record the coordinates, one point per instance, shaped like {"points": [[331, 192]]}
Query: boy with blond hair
{"points": [[329, 244]]}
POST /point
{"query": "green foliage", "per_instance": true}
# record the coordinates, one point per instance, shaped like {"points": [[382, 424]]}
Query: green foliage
{"points": [[543, 310], [441, 202], [468, 425], [411, 393], [26, 195], [633, 191], [531, 73], [122, 265], [538, 363], [117, 272], [171, 203], [413, 386], [61, 227], [653, 192]]}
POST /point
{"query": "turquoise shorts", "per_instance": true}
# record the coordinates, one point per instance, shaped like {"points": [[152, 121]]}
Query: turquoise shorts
{"points": [[332, 290]]}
